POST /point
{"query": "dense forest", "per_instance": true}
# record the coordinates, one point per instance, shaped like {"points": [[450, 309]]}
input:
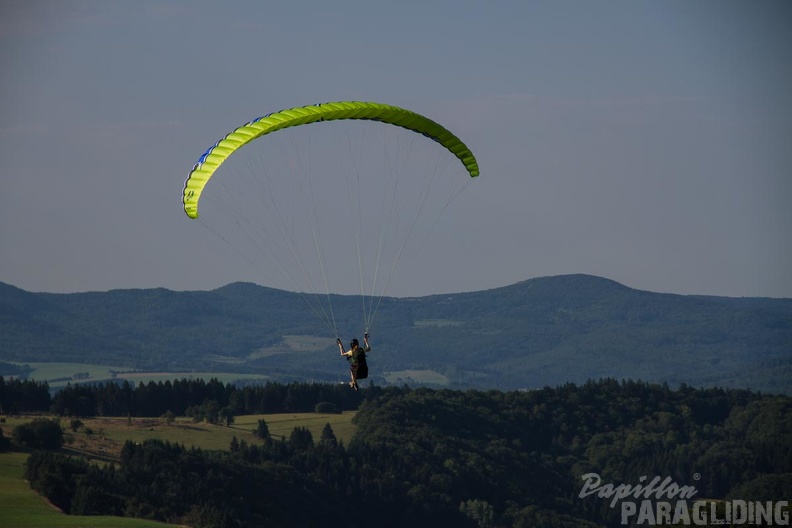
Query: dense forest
{"points": [[424, 457]]}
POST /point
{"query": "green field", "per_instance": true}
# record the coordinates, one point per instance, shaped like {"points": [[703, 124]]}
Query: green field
{"points": [[107, 435], [291, 344], [422, 377], [111, 433], [281, 425], [21, 507], [59, 374]]}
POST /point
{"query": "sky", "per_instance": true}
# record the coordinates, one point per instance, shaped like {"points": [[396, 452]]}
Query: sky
{"points": [[644, 142]]}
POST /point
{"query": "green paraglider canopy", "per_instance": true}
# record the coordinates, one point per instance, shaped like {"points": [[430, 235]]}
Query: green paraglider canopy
{"points": [[211, 159]]}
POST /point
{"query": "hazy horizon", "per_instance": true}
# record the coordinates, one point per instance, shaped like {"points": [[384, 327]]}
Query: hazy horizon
{"points": [[644, 142]]}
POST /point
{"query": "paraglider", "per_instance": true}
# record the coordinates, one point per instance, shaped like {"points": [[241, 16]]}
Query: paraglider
{"points": [[280, 239], [356, 355]]}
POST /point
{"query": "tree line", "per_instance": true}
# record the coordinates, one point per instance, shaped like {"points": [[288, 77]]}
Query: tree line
{"points": [[469, 458], [153, 399]]}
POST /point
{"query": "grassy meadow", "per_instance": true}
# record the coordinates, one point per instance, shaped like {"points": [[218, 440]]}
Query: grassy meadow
{"points": [[57, 375], [101, 440], [21, 507]]}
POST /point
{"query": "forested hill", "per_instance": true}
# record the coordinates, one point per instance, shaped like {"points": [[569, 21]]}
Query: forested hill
{"points": [[428, 458], [539, 332]]}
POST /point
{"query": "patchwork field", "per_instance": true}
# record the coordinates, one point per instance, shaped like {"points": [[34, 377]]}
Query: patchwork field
{"points": [[59, 374]]}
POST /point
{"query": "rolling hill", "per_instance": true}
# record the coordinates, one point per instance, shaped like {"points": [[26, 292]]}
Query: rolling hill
{"points": [[543, 331]]}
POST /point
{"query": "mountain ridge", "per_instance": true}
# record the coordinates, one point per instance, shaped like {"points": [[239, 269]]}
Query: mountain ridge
{"points": [[541, 331]]}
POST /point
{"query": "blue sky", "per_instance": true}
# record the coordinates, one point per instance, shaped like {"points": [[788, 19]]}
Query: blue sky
{"points": [[646, 142]]}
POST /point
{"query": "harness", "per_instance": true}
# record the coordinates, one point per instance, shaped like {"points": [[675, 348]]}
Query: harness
{"points": [[357, 363]]}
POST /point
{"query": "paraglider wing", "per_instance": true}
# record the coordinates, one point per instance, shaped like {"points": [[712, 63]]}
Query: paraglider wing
{"points": [[211, 159]]}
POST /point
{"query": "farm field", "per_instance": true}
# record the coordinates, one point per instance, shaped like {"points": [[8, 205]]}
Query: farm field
{"points": [[399, 377], [103, 438], [21, 507], [57, 375]]}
